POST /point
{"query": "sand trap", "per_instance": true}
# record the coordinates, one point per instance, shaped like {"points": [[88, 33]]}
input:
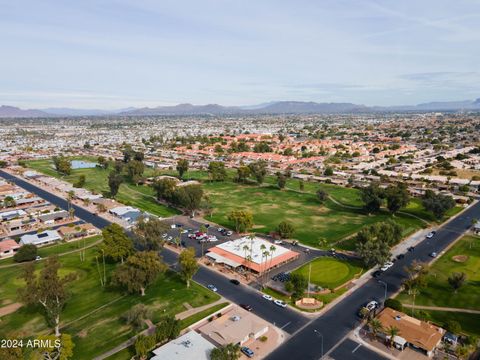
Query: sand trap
{"points": [[460, 258]]}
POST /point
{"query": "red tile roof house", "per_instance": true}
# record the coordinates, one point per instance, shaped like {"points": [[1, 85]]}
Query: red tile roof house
{"points": [[8, 247]]}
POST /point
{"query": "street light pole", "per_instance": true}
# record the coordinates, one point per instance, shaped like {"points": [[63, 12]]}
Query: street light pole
{"points": [[384, 284], [321, 337]]}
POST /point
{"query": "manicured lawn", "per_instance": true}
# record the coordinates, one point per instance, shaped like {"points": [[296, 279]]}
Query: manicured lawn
{"points": [[312, 220], [142, 197], [214, 310], [92, 315], [469, 322], [329, 272], [439, 292]]}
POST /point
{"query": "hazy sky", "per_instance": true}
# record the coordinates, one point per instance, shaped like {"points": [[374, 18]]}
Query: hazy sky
{"points": [[116, 54]]}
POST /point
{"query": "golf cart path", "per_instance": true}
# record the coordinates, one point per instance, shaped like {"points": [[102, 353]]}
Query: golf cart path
{"points": [[193, 311], [439, 308]]}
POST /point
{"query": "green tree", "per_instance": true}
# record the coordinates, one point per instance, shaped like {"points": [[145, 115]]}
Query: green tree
{"points": [[242, 220], [226, 352], [140, 270], [456, 280], [62, 165], [453, 326], [397, 197], [135, 171], [143, 345], [27, 252], [188, 264], [165, 189], [258, 170], [217, 171], [392, 331], [375, 327], [189, 197], [11, 353], [114, 181], [116, 245], [102, 162], [328, 171], [372, 197], [80, 182], [168, 328], [437, 204], [243, 172], [374, 242], [262, 147], [136, 316], [148, 233], [9, 201], [49, 351], [394, 304], [182, 167], [46, 289], [285, 229], [322, 196], [299, 284], [281, 180]]}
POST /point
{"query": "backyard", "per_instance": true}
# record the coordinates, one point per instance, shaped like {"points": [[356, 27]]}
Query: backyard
{"points": [[93, 313]]}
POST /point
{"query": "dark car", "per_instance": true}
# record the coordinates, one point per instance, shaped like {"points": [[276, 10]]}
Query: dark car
{"points": [[247, 351], [401, 256], [411, 248], [376, 274], [246, 307], [235, 281]]}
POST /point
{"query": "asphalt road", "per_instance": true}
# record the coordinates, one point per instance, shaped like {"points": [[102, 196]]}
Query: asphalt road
{"points": [[352, 350], [342, 318], [285, 318], [334, 324]]}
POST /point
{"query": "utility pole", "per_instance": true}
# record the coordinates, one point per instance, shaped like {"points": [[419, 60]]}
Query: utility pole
{"points": [[321, 344], [385, 296], [309, 276]]}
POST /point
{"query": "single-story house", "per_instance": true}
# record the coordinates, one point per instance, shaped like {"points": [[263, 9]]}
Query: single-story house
{"points": [[70, 232], [190, 346], [234, 327], [8, 247], [12, 214], [127, 213], [418, 334], [46, 237], [54, 216]]}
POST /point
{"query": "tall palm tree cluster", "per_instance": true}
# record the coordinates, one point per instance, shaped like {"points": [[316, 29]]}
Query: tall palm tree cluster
{"points": [[267, 257]]}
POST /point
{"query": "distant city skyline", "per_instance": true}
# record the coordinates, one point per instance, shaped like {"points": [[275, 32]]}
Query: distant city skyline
{"points": [[126, 53]]}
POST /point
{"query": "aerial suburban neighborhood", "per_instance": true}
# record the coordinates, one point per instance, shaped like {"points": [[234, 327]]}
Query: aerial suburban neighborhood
{"points": [[236, 180]]}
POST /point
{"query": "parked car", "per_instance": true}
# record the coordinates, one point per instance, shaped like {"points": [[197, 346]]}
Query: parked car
{"points": [[267, 297], [246, 307], [283, 277], [184, 231], [212, 287], [170, 238], [212, 238], [235, 281], [220, 229], [247, 351], [431, 234], [164, 235], [38, 258], [376, 273], [280, 303], [191, 236], [400, 256], [367, 308], [433, 254], [229, 233], [411, 248], [278, 242], [386, 266]]}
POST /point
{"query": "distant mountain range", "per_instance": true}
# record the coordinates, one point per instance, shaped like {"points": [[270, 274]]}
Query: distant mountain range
{"points": [[276, 107]]}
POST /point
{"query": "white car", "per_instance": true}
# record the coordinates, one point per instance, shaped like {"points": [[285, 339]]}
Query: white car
{"points": [[170, 238], [229, 233], [280, 303], [372, 305], [278, 242], [212, 238], [267, 297], [183, 231], [164, 235], [431, 234], [212, 287], [386, 266], [220, 229]]}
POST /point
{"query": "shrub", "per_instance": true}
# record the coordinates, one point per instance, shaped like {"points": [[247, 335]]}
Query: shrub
{"points": [[263, 338], [394, 304], [25, 253], [453, 326]]}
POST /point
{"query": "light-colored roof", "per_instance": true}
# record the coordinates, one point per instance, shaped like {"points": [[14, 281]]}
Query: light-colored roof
{"points": [[225, 330], [190, 346], [41, 238], [8, 244], [223, 260], [419, 333]]}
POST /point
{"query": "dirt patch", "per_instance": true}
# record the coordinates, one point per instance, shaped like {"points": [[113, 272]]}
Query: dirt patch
{"points": [[82, 334], [5, 310], [460, 258]]}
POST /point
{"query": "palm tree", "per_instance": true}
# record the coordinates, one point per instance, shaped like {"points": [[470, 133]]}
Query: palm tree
{"points": [[375, 327], [392, 331], [249, 260], [265, 254], [245, 249]]}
